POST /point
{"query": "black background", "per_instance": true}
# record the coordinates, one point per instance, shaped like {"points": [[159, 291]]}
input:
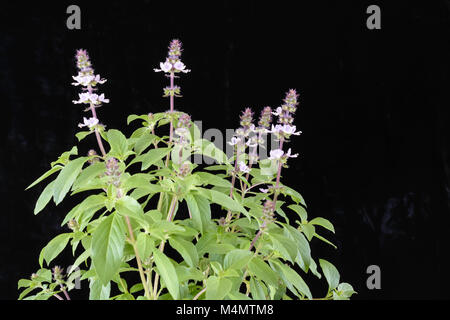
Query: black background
{"points": [[374, 112]]}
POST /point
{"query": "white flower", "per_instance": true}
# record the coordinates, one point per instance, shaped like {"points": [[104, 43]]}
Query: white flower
{"points": [[182, 132], [276, 154], [263, 190], [243, 167], [83, 80], [288, 154], [165, 67], [181, 67], [286, 129], [234, 141], [86, 80], [88, 122], [291, 130], [277, 111], [93, 98]]}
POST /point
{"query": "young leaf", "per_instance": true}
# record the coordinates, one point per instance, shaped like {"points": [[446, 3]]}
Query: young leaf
{"points": [[44, 198], [331, 274], [89, 174], [167, 272], [118, 142], [66, 178], [108, 241]]}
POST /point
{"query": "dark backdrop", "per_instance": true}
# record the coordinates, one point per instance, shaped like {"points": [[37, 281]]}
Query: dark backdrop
{"points": [[374, 114]]}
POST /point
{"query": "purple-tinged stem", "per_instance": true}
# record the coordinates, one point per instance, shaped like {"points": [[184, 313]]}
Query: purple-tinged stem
{"points": [[97, 134]]}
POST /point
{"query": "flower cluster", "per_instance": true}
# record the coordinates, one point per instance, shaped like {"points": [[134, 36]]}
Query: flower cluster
{"points": [[88, 80], [112, 171], [182, 130], [173, 64], [285, 115]]}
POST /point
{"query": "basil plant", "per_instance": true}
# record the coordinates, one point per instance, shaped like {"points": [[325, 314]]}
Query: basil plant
{"points": [[192, 231]]}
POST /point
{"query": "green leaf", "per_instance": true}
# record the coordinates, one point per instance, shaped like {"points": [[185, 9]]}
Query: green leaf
{"points": [[284, 246], [237, 259], [128, 206], [295, 196], [324, 240], [323, 223], [217, 288], [300, 211], [224, 200], [144, 141], [108, 241], [144, 245], [83, 134], [257, 289], [186, 249], [195, 211], [151, 157], [98, 291], [82, 257], [44, 198], [45, 175], [331, 274], [295, 279], [213, 179], [54, 248], [167, 272], [66, 178], [209, 149], [89, 174], [86, 209], [118, 142], [262, 271], [308, 230]]}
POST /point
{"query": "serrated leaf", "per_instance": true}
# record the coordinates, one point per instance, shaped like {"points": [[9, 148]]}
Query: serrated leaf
{"points": [[66, 178], [224, 200], [108, 241], [144, 141]]}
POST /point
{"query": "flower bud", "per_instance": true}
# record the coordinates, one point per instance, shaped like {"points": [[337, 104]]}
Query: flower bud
{"points": [[73, 225], [57, 272], [266, 118]]}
